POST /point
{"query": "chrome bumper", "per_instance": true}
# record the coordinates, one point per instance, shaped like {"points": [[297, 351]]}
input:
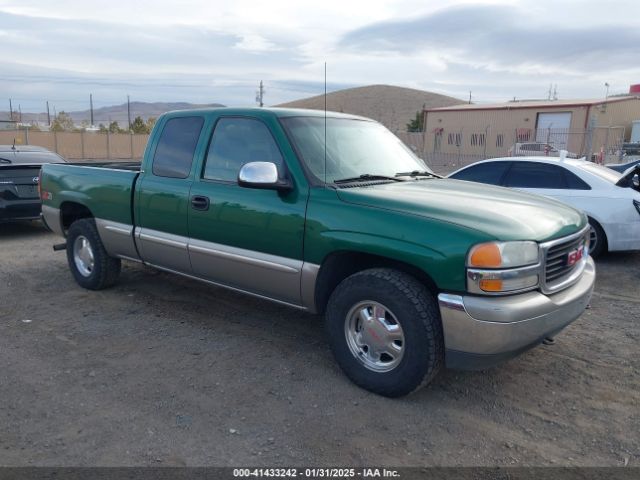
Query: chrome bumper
{"points": [[482, 331]]}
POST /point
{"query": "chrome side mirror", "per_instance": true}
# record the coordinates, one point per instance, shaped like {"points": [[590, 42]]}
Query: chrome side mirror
{"points": [[262, 175]]}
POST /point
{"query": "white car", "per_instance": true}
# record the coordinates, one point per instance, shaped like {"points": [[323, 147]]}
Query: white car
{"points": [[610, 199]]}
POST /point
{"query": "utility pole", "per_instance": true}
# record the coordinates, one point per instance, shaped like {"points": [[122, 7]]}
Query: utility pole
{"points": [[10, 110], [91, 107], [260, 95], [20, 110], [129, 112], [469, 96], [48, 114]]}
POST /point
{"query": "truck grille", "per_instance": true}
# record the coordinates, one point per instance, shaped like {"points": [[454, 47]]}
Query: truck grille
{"points": [[564, 260]]}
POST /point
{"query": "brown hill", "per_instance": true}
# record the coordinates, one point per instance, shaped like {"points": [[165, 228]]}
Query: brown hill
{"points": [[392, 106]]}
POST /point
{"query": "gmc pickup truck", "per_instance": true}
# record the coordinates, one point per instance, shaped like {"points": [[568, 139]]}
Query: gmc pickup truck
{"points": [[333, 215]]}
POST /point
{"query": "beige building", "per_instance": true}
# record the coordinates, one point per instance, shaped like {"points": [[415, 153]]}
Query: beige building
{"points": [[472, 131]]}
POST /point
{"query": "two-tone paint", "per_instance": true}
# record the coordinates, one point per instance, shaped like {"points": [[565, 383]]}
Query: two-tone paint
{"points": [[281, 245]]}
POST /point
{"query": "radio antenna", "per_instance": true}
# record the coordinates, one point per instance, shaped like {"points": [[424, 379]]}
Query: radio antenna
{"points": [[325, 124]]}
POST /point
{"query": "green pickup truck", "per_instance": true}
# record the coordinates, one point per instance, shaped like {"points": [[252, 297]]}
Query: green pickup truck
{"points": [[331, 213]]}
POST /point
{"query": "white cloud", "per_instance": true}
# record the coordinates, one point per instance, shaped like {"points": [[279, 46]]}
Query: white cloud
{"points": [[219, 50]]}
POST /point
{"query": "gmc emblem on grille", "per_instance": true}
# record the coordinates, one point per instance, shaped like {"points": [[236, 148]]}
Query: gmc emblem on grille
{"points": [[574, 256]]}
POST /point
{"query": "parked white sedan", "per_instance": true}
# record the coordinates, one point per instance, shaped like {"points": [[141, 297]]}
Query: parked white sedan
{"points": [[610, 199]]}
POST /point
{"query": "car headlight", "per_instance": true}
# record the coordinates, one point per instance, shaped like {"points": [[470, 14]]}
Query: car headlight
{"points": [[503, 267]]}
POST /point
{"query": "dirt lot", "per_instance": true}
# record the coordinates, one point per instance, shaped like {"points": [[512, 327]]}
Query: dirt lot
{"points": [[162, 370]]}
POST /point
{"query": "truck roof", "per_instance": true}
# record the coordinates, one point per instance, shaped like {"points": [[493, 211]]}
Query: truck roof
{"points": [[267, 112]]}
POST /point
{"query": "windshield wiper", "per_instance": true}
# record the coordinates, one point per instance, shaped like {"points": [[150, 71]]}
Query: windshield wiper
{"points": [[367, 177], [418, 173]]}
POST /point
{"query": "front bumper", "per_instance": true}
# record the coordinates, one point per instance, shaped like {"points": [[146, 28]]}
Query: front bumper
{"points": [[480, 332]]}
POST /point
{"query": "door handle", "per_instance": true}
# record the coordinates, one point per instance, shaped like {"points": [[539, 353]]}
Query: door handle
{"points": [[200, 202]]}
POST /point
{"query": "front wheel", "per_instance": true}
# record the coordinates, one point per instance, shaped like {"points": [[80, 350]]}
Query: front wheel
{"points": [[385, 331], [89, 262]]}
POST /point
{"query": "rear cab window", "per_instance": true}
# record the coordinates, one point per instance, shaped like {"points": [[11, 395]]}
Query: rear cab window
{"points": [[176, 147]]}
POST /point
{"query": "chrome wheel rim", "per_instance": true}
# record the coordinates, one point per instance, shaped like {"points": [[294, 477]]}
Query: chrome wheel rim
{"points": [[83, 256], [374, 336], [593, 238]]}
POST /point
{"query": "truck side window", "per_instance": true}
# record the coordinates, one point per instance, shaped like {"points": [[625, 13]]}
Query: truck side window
{"points": [[237, 141], [177, 144]]}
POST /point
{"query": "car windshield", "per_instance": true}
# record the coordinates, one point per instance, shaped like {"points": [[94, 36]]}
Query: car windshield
{"points": [[354, 148], [603, 172]]}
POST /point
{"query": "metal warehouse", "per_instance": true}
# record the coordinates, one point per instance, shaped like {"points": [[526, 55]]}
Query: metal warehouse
{"points": [[583, 127]]}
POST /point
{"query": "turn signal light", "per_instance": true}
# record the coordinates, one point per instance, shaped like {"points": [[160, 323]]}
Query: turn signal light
{"points": [[491, 285], [486, 255]]}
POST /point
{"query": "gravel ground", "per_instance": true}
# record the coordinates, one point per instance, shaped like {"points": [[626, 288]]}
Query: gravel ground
{"points": [[161, 370]]}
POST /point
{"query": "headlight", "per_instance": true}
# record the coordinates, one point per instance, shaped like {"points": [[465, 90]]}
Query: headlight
{"points": [[504, 255], [503, 267]]}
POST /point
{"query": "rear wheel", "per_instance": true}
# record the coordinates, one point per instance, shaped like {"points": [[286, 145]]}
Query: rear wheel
{"points": [[89, 262], [385, 331], [597, 240]]}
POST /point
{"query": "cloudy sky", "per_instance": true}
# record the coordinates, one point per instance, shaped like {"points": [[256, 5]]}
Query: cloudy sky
{"points": [[218, 51]]}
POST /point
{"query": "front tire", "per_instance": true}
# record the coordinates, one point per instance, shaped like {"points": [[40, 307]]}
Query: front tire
{"points": [[89, 262], [385, 331]]}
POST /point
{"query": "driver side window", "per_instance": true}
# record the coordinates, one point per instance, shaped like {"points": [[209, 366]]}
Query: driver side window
{"points": [[237, 141]]}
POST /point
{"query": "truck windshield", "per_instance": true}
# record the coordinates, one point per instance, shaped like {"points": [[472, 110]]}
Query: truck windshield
{"points": [[355, 148]]}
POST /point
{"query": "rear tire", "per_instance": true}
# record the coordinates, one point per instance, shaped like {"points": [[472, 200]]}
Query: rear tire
{"points": [[598, 240], [89, 262], [385, 331]]}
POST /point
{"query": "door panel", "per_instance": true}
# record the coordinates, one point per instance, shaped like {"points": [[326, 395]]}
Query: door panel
{"points": [[250, 239]]}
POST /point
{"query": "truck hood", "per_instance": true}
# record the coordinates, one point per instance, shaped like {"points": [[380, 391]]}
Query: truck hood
{"points": [[499, 212]]}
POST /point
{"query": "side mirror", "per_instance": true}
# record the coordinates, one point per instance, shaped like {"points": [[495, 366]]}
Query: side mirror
{"points": [[262, 175]]}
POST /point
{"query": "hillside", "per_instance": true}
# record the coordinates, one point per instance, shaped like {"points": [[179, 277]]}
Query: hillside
{"points": [[116, 113], [392, 106]]}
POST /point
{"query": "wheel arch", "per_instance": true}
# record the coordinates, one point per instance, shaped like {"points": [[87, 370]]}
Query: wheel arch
{"points": [[341, 264], [71, 211]]}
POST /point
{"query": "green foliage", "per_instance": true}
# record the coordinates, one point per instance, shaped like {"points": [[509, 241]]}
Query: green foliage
{"points": [[417, 124], [62, 123], [140, 126], [115, 128], [151, 122]]}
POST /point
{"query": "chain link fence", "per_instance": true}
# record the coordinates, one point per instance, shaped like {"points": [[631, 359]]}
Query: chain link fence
{"points": [[446, 151]]}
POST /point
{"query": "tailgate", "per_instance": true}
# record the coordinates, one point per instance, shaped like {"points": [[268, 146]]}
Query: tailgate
{"points": [[18, 182]]}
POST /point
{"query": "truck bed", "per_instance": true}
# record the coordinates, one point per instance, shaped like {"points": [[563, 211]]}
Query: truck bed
{"points": [[106, 189]]}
